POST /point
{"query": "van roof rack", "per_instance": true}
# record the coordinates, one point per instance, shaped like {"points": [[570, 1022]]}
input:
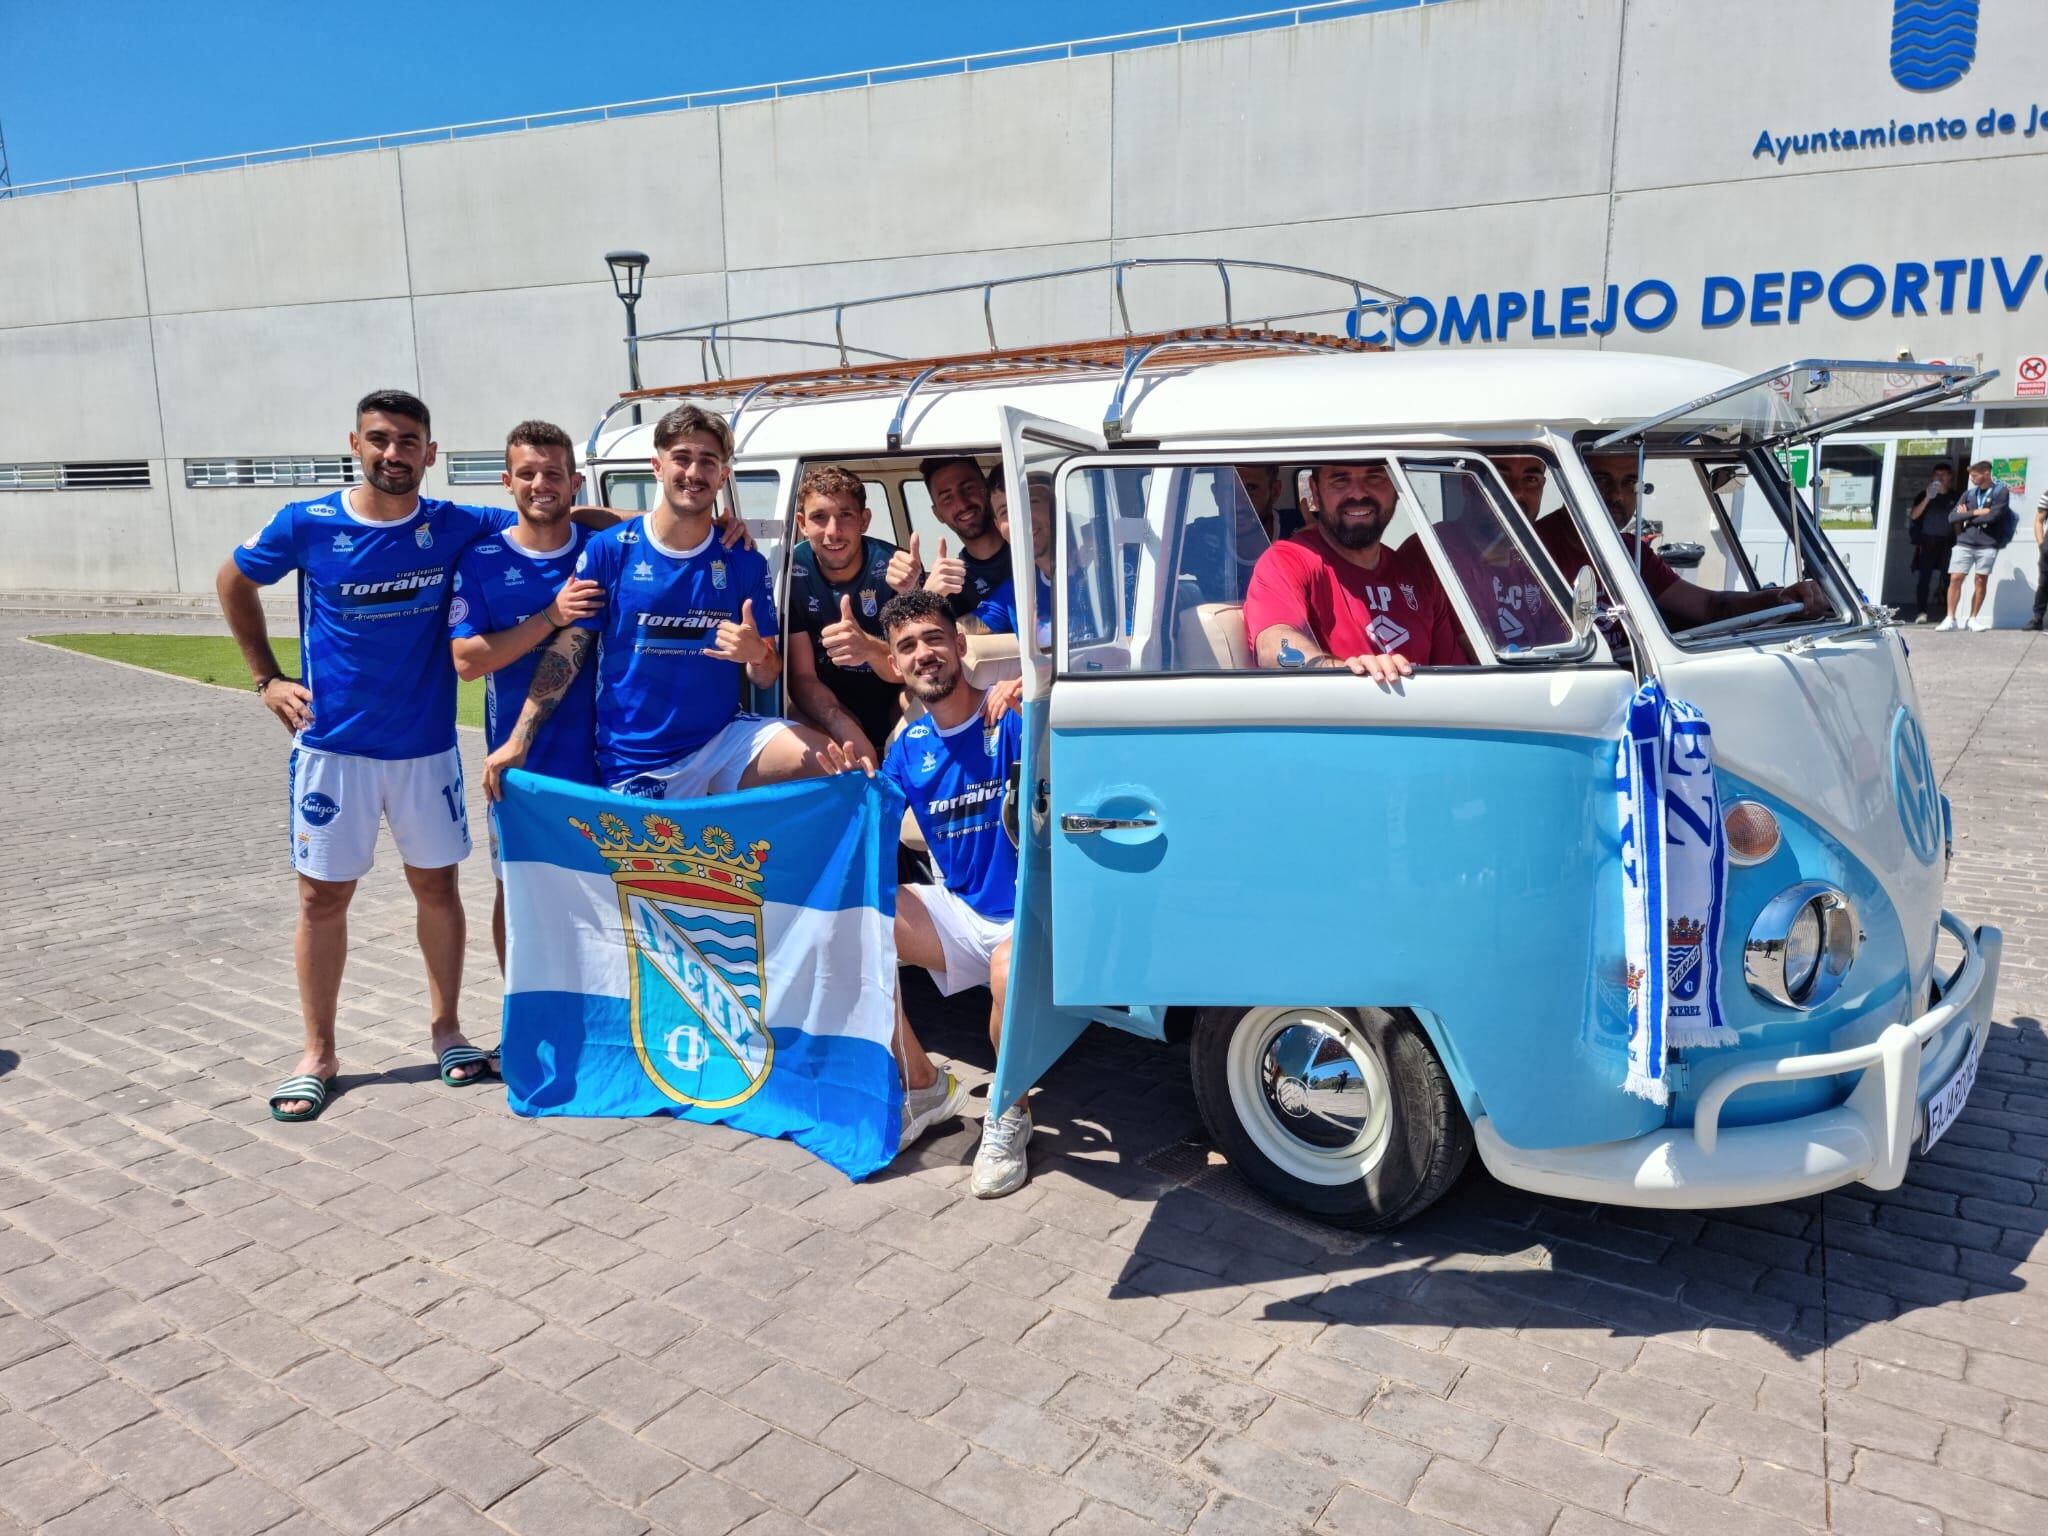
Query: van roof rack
{"points": [[1118, 357], [862, 371]]}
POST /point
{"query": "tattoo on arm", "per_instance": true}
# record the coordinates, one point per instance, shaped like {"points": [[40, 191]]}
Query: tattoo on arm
{"points": [[551, 679]]}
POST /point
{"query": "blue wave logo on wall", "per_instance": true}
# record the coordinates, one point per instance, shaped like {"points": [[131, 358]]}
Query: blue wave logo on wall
{"points": [[1934, 42]]}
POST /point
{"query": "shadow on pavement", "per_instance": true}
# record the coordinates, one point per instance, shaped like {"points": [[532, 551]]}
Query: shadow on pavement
{"points": [[1117, 1114]]}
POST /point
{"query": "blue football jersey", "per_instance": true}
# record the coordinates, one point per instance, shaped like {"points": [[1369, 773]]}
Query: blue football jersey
{"points": [[659, 698], [373, 627], [499, 585], [954, 781], [999, 613]]}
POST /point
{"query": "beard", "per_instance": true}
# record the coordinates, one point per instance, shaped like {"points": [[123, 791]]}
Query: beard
{"points": [[392, 479], [972, 524], [1353, 535], [928, 688]]}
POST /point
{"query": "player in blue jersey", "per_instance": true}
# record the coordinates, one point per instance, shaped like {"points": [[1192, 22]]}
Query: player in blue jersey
{"points": [[997, 613], [512, 594], [953, 764], [372, 717], [683, 620], [958, 488], [840, 671]]}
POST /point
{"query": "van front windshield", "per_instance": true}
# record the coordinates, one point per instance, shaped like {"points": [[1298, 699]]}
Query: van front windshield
{"points": [[1717, 552]]}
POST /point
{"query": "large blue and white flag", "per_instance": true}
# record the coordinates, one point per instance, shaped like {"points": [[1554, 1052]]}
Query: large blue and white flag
{"points": [[1674, 865], [731, 959]]}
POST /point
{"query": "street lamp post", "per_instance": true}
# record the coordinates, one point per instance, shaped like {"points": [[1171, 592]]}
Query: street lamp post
{"points": [[628, 269]]}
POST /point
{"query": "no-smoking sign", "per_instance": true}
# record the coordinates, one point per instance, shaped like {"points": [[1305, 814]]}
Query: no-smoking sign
{"points": [[2031, 376]]}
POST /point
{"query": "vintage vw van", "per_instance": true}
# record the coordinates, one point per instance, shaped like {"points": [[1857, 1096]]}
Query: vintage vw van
{"points": [[1391, 917]]}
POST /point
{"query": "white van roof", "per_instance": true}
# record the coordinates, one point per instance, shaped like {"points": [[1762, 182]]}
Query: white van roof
{"points": [[1320, 394]]}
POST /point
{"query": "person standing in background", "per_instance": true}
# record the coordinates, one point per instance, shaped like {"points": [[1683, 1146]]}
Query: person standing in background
{"points": [[1982, 519], [2041, 571], [1928, 528]]}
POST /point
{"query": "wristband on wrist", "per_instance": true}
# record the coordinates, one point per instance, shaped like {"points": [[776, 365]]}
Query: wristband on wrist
{"points": [[274, 677]]}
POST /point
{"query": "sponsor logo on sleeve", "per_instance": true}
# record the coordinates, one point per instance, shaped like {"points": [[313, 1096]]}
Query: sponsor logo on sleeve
{"points": [[458, 611]]}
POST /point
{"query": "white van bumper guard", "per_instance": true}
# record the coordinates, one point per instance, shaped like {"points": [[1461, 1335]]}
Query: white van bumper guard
{"points": [[1867, 1139]]}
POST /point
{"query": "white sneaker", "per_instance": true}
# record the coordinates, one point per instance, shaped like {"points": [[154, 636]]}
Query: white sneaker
{"points": [[1947, 623], [1980, 623], [925, 1107], [999, 1166]]}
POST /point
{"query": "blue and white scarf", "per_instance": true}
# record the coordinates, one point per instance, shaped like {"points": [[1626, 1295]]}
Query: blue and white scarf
{"points": [[1674, 873]]}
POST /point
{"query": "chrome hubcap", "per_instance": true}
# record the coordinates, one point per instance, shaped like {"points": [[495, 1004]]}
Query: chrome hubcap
{"points": [[1310, 1092]]}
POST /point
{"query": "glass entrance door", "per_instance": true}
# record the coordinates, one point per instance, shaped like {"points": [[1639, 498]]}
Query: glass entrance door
{"points": [[1853, 475]]}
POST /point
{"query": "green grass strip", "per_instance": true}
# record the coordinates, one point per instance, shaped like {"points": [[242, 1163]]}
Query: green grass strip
{"points": [[217, 660]]}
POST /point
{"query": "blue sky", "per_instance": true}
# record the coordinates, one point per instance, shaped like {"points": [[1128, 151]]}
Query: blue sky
{"points": [[100, 85]]}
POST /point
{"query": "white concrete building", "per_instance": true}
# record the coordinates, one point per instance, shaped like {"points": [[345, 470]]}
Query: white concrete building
{"points": [[1746, 181]]}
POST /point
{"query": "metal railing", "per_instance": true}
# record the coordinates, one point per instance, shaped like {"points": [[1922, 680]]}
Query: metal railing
{"points": [[959, 64], [708, 334]]}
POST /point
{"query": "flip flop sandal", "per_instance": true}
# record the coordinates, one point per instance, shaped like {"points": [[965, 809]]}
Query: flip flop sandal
{"points": [[462, 1056], [313, 1090]]}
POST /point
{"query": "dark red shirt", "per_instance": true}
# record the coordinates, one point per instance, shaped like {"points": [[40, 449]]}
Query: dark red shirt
{"points": [[1397, 607]]}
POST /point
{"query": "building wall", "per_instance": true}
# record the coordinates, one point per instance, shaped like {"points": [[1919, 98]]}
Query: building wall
{"points": [[1468, 149]]}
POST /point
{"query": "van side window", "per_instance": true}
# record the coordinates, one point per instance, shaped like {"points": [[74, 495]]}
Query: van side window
{"points": [[1157, 561]]}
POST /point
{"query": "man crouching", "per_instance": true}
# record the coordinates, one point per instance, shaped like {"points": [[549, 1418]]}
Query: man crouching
{"points": [[953, 766]]}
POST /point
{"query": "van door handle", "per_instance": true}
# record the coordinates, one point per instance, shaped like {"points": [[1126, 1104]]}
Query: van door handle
{"points": [[1077, 825]]}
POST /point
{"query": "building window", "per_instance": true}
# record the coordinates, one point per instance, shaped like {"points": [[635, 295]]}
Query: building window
{"points": [[480, 468], [276, 469], [113, 475]]}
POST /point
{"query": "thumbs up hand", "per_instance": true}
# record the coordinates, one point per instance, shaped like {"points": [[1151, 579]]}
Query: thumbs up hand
{"points": [[948, 576], [906, 568], [739, 642], [846, 643]]}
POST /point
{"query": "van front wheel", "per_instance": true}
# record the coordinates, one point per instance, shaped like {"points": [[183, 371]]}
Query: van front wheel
{"points": [[1343, 1113]]}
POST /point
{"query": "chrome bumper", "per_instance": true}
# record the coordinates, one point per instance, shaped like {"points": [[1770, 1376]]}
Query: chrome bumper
{"points": [[1868, 1139]]}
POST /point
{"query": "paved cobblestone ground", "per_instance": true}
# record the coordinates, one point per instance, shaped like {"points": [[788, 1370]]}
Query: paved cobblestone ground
{"points": [[422, 1315]]}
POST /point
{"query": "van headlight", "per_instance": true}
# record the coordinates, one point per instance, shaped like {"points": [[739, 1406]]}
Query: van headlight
{"points": [[1801, 946]]}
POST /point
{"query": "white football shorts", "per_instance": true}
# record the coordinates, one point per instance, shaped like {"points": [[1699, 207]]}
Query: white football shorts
{"points": [[714, 768], [967, 939], [338, 800]]}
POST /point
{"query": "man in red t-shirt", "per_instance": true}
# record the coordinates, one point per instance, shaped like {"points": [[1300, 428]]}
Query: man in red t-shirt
{"points": [[1682, 604], [1334, 596]]}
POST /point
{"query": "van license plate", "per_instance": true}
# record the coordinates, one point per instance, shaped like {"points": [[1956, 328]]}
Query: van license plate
{"points": [[1948, 1101]]}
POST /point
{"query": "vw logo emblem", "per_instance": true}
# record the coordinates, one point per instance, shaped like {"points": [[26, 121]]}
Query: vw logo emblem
{"points": [[1913, 783], [1292, 1094]]}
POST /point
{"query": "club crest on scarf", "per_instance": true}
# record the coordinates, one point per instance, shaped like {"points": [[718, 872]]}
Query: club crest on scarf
{"points": [[692, 914]]}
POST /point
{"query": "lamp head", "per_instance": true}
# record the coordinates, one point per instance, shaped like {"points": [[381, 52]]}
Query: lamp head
{"points": [[628, 268]]}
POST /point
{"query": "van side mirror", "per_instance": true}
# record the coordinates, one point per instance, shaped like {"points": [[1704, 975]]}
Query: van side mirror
{"points": [[1585, 600]]}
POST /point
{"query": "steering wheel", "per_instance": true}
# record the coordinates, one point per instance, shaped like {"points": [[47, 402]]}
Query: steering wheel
{"points": [[1742, 621]]}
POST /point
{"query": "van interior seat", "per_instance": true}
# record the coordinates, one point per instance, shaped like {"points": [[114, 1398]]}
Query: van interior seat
{"points": [[1211, 637], [992, 659]]}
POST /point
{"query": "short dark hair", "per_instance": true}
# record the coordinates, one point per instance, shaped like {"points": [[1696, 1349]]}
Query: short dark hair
{"points": [[685, 419], [909, 607], [833, 480], [540, 434], [945, 461], [396, 402], [1983, 464]]}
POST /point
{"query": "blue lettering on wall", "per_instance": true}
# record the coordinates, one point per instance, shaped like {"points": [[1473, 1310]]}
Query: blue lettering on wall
{"points": [[1856, 291]]}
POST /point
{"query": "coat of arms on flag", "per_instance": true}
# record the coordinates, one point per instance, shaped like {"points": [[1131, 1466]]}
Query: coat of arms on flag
{"points": [[659, 961], [692, 918]]}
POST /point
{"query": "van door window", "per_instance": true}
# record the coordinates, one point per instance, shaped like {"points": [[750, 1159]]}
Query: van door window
{"points": [[1516, 600]]}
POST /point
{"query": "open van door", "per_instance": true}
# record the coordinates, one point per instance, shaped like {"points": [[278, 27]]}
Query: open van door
{"points": [[1035, 1032]]}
